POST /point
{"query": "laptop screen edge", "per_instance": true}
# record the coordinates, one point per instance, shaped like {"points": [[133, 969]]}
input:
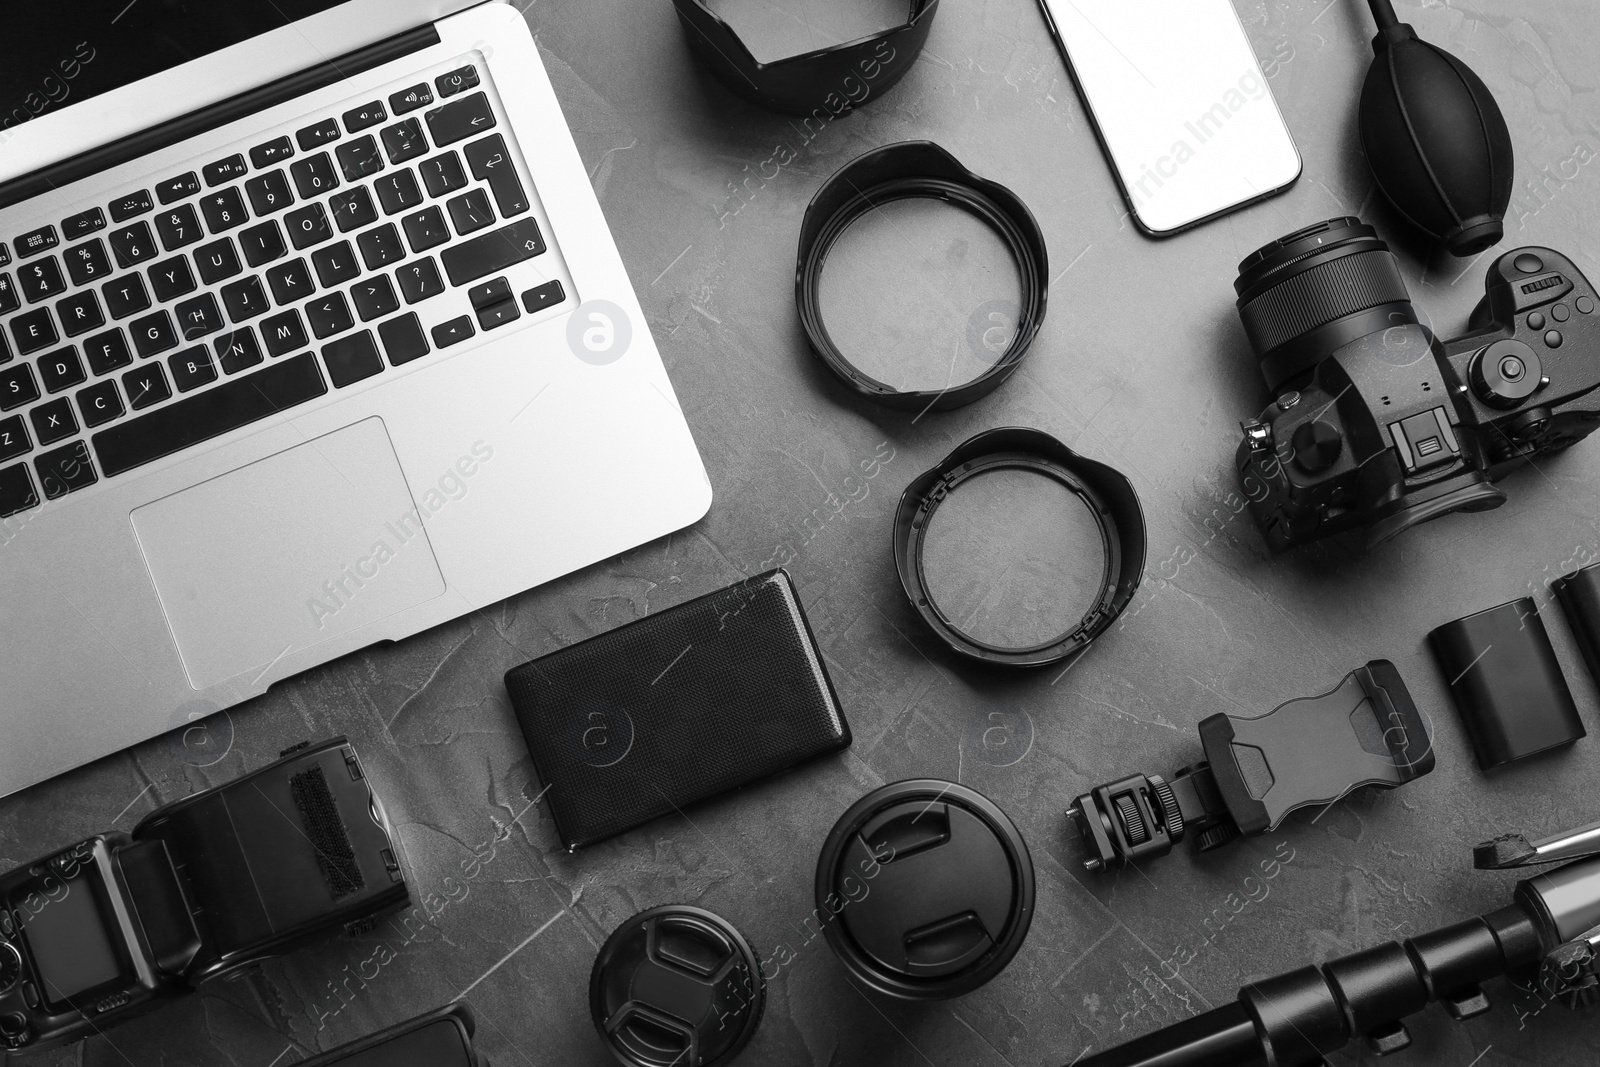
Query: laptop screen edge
{"points": [[125, 111]]}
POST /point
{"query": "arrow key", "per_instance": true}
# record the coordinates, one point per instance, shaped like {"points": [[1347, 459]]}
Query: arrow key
{"points": [[460, 119]]}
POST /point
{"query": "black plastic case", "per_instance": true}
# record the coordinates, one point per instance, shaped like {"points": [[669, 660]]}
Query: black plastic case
{"points": [[441, 1038], [687, 703], [1507, 683], [1580, 599]]}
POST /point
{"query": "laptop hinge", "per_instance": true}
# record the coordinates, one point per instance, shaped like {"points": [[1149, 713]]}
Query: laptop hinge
{"points": [[221, 113]]}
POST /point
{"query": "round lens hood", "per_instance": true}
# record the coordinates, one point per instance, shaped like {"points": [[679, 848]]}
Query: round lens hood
{"points": [[925, 890], [1109, 496], [676, 986], [906, 171]]}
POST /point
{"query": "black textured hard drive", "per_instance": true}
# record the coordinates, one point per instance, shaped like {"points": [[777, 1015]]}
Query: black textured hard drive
{"points": [[679, 706]]}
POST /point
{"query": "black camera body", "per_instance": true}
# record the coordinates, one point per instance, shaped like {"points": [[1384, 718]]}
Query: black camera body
{"points": [[119, 924], [1377, 424]]}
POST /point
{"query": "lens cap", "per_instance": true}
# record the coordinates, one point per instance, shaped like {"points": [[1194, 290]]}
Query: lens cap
{"points": [[676, 986], [926, 889]]}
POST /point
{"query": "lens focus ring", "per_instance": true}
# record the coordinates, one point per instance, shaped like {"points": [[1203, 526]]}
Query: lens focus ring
{"points": [[1315, 297]]}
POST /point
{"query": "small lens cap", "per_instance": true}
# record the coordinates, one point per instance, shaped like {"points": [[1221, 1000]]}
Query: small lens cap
{"points": [[676, 986], [926, 889]]}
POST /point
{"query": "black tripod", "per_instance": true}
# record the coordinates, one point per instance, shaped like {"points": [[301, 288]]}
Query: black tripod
{"points": [[1293, 1020]]}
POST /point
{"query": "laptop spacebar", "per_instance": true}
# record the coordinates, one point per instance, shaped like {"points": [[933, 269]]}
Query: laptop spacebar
{"points": [[205, 415]]}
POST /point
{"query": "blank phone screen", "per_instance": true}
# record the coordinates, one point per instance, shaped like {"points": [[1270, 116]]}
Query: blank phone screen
{"points": [[1181, 104]]}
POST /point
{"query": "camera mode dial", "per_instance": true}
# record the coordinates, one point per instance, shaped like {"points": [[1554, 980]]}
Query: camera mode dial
{"points": [[1506, 373]]}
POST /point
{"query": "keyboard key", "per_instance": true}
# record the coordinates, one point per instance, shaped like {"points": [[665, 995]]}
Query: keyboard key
{"points": [[5, 349], [470, 212], [178, 227], [41, 279], [14, 438], [217, 261], [262, 244], [319, 134], [308, 226], [442, 174], [397, 192], [236, 402], [125, 208], [171, 278], [457, 80], [199, 317], [490, 292], [374, 298], [498, 314], [265, 155], [16, 491], [107, 352], [493, 252], [61, 369], [489, 161], [245, 299], [87, 262], [453, 332], [269, 192], [35, 241], [17, 387], [410, 99], [9, 300], [100, 403], [177, 188], [460, 119], [83, 223], [404, 140], [224, 170], [353, 209], [284, 333], [352, 358], [291, 281], [145, 386], [543, 296], [238, 350], [224, 210], [425, 229], [328, 315], [192, 368], [65, 470], [54, 421], [125, 296], [80, 313], [402, 339], [419, 280], [314, 175], [381, 247], [335, 264], [153, 333], [359, 118], [359, 158], [34, 331], [5, 254], [134, 245]]}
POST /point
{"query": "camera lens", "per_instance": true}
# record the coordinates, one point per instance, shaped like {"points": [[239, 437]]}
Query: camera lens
{"points": [[1307, 294]]}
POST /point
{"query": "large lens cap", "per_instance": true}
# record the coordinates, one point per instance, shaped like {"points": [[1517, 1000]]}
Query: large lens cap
{"points": [[925, 889], [676, 986]]}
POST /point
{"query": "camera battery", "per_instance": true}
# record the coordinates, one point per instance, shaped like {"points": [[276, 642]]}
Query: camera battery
{"points": [[1507, 683]]}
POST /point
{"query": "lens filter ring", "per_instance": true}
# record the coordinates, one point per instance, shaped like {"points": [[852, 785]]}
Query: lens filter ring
{"points": [[905, 171], [1107, 493]]}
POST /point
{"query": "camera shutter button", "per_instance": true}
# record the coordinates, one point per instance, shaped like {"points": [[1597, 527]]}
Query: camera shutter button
{"points": [[1316, 446]]}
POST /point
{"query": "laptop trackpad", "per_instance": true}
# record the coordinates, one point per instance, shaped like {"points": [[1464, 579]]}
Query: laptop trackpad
{"points": [[285, 553]]}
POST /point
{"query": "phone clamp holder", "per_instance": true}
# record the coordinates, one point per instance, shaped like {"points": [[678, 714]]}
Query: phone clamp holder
{"points": [[1308, 751]]}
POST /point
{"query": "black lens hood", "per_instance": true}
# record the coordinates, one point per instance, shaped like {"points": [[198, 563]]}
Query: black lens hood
{"points": [[904, 171], [829, 80], [1109, 496]]}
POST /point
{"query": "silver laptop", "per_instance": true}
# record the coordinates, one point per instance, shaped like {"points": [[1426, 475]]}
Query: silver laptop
{"points": [[312, 335]]}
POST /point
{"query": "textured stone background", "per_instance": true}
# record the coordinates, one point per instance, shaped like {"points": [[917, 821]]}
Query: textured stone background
{"points": [[1142, 364]]}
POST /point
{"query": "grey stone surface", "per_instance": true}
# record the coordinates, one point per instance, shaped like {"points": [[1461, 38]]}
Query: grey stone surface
{"points": [[1141, 363]]}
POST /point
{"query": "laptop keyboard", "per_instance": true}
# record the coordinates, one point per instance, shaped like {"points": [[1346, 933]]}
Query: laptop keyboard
{"points": [[257, 282]]}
